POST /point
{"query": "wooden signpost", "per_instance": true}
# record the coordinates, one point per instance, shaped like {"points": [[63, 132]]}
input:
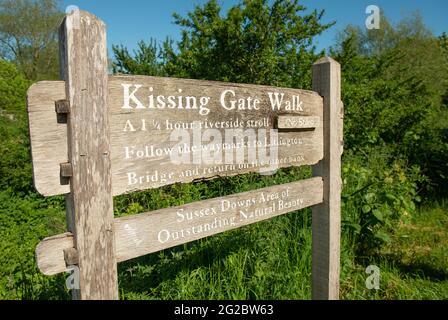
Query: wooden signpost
{"points": [[94, 136]]}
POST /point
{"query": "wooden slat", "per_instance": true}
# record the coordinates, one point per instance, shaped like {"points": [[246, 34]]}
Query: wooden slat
{"points": [[309, 151], [326, 222], [48, 137], [84, 65], [50, 253], [142, 234], [297, 148], [138, 235]]}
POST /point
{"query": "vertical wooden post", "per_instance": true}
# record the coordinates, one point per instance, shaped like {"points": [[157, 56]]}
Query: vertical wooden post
{"points": [[327, 215], [84, 66]]}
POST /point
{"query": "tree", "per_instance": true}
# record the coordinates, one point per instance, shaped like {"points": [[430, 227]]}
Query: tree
{"points": [[13, 87], [394, 85], [144, 61], [443, 41], [417, 52], [28, 36], [255, 42], [15, 164]]}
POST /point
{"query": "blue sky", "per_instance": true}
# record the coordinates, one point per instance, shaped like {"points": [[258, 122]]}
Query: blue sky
{"points": [[133, 20]]}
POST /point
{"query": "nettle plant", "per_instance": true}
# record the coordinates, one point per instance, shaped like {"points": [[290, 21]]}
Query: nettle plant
{"points": [[376, 198]]}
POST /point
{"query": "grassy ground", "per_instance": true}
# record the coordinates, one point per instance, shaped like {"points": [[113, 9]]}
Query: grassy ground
{"points": [[268, 260], [414, 265], [272, 260]]}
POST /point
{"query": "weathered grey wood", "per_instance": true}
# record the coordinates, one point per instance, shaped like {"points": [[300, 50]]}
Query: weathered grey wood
{"points": [[310, 151], [48, 137], [307, 149], [327, 216], [298, 122], [71, 256], [71, 220], [50, 253], [137, 235], [84, 69]]}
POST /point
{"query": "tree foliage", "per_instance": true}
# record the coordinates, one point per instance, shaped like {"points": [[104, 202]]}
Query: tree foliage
{"points": [[395, 82], [144, 61], [13, 87], [28, 36], [255, 42], [15, 163]]}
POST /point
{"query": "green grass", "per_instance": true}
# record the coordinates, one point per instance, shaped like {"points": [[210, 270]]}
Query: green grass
{"points": [[414, 265], [267, 260], [272, 260]]}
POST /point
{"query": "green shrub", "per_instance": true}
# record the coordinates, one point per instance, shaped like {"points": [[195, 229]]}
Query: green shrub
{"points": [[379, 192]]}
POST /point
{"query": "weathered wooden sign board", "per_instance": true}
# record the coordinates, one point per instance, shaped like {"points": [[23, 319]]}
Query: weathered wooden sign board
{"points": [[140, 134], [94, 136]]}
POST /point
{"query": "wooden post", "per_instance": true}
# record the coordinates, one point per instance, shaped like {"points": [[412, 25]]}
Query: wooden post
{"points": [[83, 54], [327, 215]]}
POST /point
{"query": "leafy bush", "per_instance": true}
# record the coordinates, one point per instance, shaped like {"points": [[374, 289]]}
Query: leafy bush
{"points": [[395, 84], [379, 192], [13, 87], [15, 160], [24, 222]]}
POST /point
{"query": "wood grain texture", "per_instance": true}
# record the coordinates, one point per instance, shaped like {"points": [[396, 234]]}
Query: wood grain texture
{"points": [[48, 137], [84, 69], [138, 235], [71, 256], [50, 253], [296, 148], [326, 223], [309, 151]]}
